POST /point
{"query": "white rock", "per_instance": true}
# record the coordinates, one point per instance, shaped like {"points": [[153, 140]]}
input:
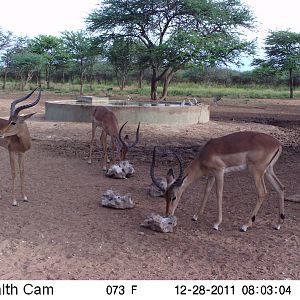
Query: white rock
{"points": [[154, 191], [114, 200], [159, 223], [121, 170]]}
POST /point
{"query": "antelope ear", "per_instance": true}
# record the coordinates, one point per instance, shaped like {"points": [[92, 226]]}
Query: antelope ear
{"points": [[25, 117], [170, 177]]}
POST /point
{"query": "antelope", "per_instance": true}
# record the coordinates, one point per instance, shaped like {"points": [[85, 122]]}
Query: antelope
{"points": [[15, 137], [107, 120], [257, 152]]}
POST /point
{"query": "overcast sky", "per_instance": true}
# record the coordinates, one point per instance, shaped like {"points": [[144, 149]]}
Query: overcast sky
{"points": [[35, 17]]}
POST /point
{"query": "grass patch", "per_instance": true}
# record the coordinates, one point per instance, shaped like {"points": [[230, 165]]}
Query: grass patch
{"points": [[175, 89]]}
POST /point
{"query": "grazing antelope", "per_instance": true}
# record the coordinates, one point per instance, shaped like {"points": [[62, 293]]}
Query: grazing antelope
{"points": [[15, 137], [107, 120], [257, 152]]}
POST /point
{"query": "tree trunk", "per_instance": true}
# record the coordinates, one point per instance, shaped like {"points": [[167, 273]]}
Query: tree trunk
{"points": [[28, 78], [154, 83], [81, 77], [4, 79], [22, 82], [91, 82], [118, 79], [140, 78], [166, 83], [291, 83], [47, 75]]}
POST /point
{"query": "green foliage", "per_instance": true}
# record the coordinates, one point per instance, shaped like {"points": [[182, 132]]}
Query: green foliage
{"points": [[82, 49], [282, 53], [47, 45], [181, 90], [25, 64], [5, 39], [121, 55], [175, 33], [283, 49]]}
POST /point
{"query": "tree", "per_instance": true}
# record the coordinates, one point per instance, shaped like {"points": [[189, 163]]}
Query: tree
{"points": [[25, 64], [51, 48], [176, 32], [81, 48], [121, 56], [17, 45], [5, 39], [282, 50], [5, 42]]}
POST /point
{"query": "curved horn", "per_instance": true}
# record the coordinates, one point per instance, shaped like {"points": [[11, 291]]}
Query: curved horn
{"points": [[18, 109], [179, 179], [136, 136], [120, 135], [13, 104], [154, 180]]}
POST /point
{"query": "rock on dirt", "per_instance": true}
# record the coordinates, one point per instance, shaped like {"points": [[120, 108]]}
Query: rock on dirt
{"points": [[154, 191], [159, 223], [114, 200], [122, 170]]}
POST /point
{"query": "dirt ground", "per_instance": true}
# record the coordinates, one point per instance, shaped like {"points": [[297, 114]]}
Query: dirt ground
{"points": [[63, 232]]}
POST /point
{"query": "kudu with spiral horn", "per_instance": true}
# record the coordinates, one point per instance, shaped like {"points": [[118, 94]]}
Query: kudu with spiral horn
{"points": [[172, 183], [15, 137]]}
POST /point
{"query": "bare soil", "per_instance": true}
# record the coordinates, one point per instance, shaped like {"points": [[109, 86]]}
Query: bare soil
{"points": [[64, 233]]}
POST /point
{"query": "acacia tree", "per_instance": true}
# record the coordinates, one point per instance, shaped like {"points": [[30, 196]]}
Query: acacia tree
{"points": [[25, 64], [282, 50], [51, 48], [176, 32], [82, 49], [5, 43], [5, 39], [16, 45], [121, 55]]}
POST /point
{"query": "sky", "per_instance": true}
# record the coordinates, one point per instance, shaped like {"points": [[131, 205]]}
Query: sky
{"points": [[34, 17]]}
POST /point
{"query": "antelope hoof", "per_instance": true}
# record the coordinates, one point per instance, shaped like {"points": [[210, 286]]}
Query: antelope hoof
{"points": [[89, 161], [276, 227], [15, 203], [216, 226], [195, 218], [25, 199], [243, 228]]}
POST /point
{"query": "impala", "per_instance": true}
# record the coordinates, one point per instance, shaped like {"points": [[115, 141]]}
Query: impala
{"points": [[257, 152], [15, 137], [107, 120]]}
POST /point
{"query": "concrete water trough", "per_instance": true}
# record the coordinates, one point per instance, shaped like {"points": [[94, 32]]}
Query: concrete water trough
{"points": [[146, 112]]}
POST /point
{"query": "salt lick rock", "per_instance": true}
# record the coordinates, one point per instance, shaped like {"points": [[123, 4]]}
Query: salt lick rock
{"points": [[122, 170], [114, 200], [159, 223], [154, 191]]}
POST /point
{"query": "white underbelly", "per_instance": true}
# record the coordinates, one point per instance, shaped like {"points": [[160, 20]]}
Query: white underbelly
{"points": [[235, 168]]}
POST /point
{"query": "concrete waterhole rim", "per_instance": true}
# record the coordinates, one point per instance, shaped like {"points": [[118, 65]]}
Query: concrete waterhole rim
{"points": [[146, 112]]}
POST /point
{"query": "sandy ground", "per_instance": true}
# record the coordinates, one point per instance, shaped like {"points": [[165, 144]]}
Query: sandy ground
{"points": [[64, 233]]}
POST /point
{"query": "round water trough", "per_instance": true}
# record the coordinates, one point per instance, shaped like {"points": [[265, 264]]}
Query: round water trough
{"points": [[133, 112]]}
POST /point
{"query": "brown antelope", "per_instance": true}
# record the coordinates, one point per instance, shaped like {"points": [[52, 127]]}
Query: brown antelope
{"points": [[15, 137], [107, 120], [257, 152]]}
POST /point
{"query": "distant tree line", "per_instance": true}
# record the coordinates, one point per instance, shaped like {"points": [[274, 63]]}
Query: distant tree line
{"points": [[154, 43]]}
